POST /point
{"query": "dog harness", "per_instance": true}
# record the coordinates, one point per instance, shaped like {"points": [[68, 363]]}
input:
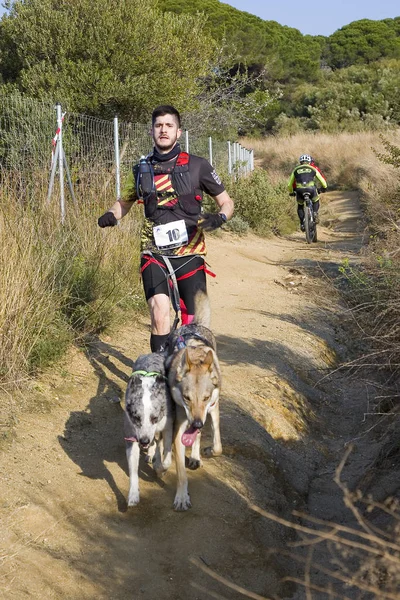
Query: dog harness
{"points": [[180, 341], [151, 259], [172, 279]]}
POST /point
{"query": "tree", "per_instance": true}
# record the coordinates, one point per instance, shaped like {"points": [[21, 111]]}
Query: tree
{"points": [[232, 101], [104, 57], [363, 42], [282, 50]]}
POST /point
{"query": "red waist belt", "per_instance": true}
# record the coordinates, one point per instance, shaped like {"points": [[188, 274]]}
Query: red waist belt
{"points": [[203, 267]]}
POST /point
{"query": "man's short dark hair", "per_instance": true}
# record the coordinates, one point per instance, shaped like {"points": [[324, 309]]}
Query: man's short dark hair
{"points": [[165, 109]]}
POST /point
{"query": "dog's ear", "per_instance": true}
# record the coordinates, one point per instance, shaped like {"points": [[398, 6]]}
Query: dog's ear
{"points": [[182, 366], [209, 360]]}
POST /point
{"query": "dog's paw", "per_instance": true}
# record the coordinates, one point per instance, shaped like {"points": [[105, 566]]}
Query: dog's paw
{"points": [[193, 463], [210, 452], [166, 463], [160, 471], [133, 498], [182, 502], [161, 467]]}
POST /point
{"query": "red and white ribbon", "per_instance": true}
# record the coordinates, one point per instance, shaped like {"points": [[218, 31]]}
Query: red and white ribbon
{"points": [[55, 138]]}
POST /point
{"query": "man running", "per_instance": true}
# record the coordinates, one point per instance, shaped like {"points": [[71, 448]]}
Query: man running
{"points": [[171, 184]]}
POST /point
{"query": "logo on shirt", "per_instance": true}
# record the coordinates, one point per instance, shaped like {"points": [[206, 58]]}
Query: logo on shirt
{"points": [[216, 178]]}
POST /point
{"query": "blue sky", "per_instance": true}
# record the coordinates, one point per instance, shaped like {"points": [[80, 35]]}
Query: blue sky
{"points": [[319, 17]]}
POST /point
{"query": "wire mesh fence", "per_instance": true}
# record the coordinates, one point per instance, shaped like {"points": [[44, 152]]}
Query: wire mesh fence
{"points": [[29, 134]]}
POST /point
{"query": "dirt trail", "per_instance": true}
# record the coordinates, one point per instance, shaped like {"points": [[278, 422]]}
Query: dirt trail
{"points": [[65, 532]]}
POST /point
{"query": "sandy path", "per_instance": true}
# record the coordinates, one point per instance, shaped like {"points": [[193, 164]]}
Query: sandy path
{"points": [[65, 530]]}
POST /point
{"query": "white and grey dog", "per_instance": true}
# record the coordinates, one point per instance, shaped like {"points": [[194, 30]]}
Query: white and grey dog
{"points": [[148, 419]]}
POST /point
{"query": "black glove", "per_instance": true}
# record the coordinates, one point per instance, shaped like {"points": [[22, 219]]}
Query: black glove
{"points": [[107, 220], [322, 190], [211, 221], [292, 194]]}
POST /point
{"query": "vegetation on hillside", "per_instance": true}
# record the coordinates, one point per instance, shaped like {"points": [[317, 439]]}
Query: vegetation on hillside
{"points": [[347, 81], [376, 288], [360, 97], [282, 51], [236, 72]]}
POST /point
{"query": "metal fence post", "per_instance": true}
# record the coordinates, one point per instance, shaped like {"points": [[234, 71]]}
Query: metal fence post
{"points": [[187, 141], [229, 159], [210, 150], [116, 157], [60, 161], [53, 172]]}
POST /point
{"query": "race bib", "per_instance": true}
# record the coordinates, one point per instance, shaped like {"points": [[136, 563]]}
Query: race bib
{"points": [[170, 235]]}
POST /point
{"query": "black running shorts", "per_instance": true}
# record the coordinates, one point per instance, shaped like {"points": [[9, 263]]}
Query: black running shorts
{"points": [[156, 281]]}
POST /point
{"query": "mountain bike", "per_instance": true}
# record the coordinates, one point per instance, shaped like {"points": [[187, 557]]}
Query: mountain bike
{"points": [[309, 219]]}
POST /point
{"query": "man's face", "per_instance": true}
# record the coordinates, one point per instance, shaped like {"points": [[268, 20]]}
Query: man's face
{"points": [[166, 133]]}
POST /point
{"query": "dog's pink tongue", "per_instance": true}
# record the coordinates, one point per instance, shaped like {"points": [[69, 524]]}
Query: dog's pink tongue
{"points": [[189, 436]]}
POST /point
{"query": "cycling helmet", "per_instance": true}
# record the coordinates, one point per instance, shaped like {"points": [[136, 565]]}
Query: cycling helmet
{"points": [[305, 158]]}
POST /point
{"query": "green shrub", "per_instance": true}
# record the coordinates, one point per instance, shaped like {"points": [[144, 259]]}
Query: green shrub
{"points": [[59, 282], [265, 207], [238, 225], [50, 345]]}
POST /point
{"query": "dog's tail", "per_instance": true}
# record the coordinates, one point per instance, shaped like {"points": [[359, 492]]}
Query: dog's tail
{"points": [[202, 310]]}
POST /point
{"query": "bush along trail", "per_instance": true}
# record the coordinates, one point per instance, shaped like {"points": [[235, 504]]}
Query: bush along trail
{"points": [[288, 414]]}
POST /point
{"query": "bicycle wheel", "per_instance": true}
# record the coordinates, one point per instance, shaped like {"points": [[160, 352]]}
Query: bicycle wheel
{"points": [[315, 238], [309, 224]]}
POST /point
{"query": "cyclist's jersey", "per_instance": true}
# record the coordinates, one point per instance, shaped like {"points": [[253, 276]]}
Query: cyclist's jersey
{"points": [[306, 176], [316, 167], [180, 183]]}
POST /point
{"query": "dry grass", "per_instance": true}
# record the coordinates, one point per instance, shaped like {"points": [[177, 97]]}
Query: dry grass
{"points": [[347, 160], [58, 282], [338, 561]]}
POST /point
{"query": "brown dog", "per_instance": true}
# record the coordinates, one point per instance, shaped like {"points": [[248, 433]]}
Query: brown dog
{"points": [[195, 380]]}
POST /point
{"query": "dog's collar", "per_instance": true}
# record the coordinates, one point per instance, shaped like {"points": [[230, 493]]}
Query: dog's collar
{"points": [[181, 340], [148, 374]]}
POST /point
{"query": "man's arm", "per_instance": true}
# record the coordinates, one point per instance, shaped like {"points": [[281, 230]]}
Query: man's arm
{"points": [[121, 207], [321, 179], [225, 204], [211, 221]]}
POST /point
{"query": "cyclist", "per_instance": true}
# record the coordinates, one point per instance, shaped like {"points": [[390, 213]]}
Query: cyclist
{"points": [[306, 177], [171, 184]]}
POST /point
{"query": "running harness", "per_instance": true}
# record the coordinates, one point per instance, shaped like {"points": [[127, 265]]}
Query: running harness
{"points": [[177, 303]]}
